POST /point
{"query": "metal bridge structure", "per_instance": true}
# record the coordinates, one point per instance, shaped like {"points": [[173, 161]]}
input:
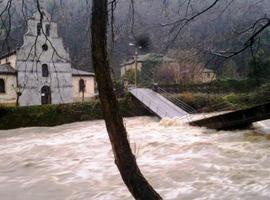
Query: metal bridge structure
{"points": [[167, 107], [160, 105]]}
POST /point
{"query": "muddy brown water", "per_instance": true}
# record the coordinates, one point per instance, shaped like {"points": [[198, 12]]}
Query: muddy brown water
{"points": [[74, 162]]}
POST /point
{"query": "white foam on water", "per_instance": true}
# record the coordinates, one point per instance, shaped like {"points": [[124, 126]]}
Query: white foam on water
{"points": [[75, 161], [262, 127]]}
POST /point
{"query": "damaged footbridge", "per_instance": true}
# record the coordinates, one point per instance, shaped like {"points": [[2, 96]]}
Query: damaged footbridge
{"points": [[164, 105]]}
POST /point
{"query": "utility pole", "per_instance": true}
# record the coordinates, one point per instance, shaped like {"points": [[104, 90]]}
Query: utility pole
{"points": [[136, 61], [136, 67]]}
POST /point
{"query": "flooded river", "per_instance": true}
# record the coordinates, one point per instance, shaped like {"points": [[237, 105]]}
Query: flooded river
{"points": [[74, 162]]}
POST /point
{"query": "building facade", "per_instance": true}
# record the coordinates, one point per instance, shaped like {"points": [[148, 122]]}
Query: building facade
{"points": [[40, 71], [167, 70]]}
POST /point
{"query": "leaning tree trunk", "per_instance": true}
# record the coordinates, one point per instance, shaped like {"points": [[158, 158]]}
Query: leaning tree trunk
{"points": [[124, 159]]}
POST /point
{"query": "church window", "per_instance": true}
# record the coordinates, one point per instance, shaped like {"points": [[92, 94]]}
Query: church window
{"points": [[45, 47], [45, 70], [48, 27], [81, 85], [2, 86], [39, 27]]}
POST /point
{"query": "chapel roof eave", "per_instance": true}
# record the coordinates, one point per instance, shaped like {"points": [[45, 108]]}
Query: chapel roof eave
{"points": [[6, 69], [10, 53]]}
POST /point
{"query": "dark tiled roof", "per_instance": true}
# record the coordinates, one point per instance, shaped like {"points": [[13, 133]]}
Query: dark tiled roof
{"points": [[7, 69], [7, 54], [150, 57], [77, 72]]}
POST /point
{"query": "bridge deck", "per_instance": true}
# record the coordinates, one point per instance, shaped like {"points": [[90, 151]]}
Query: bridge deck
{"points": [[158, 104], [236, 119]]}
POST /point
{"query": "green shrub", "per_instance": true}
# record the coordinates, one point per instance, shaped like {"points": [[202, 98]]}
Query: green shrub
{"points": [[53, 115], [203, 102], [218, 86]]}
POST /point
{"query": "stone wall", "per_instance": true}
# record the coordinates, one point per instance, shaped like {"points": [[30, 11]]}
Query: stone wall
{"points": [[205, 77], [125, 68]]}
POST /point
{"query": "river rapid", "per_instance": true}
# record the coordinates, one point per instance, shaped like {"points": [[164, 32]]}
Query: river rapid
{"points": [[74, 162]]}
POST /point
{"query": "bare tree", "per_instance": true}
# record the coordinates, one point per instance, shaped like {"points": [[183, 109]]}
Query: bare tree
{"points": [[124, 159]]}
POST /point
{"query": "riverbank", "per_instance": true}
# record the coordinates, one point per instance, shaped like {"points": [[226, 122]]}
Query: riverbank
{"points": [[221, 95], [53, 115], [211, 102]]}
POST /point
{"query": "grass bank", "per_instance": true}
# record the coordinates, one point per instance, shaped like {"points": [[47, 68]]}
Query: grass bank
{"points": [[230, 97], [203, 102], [53, 115]]}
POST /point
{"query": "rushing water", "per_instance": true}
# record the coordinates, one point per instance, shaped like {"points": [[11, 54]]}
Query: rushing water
{"points": [[74, 161]]}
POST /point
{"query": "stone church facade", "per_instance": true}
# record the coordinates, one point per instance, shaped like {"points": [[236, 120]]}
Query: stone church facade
{"points": [[40, 72]]}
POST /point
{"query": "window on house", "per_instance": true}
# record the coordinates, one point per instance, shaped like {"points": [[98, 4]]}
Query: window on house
{"points": [[45, 70], [2, 86], [48, 28], [39, 27], [45, 47], [81, 85]]}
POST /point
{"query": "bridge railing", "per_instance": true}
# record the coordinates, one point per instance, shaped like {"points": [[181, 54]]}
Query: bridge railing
{"points": [[176, 101], [170, 96]]}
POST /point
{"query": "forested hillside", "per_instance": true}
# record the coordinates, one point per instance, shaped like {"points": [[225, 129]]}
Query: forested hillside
{"points": [[223, 28]]}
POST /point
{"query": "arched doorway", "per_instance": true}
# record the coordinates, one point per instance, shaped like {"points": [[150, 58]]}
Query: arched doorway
{"points": [[46, 95]]}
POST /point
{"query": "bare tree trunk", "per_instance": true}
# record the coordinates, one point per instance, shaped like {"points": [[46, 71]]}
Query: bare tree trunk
{"points": [[17, 101], [124, 159]]}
